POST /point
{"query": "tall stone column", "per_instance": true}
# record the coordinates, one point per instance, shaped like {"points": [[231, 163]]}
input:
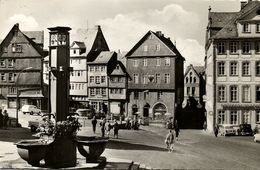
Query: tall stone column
{"points": [[59, 64]]}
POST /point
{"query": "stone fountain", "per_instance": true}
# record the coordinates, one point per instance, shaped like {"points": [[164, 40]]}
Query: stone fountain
{"points": [[58, 144]]}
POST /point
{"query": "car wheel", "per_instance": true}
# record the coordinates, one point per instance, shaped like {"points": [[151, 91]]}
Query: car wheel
{"points": [[33, 129], [31, 113]]}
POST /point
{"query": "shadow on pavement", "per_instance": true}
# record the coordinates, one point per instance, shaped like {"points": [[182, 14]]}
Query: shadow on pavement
{"points": [[112, 144], [15, 134]]}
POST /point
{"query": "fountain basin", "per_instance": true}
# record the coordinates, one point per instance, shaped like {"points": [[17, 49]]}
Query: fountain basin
{"points": [[91, 147], [32, 151]]}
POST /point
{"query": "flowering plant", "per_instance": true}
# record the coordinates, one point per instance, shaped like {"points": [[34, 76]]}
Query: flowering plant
{"points": [[67, 128], [48, 130]]}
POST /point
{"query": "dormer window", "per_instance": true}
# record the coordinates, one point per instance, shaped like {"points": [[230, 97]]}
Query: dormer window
{"points": [[246, 27], [257, 28], [74, 51], [16, 48]]}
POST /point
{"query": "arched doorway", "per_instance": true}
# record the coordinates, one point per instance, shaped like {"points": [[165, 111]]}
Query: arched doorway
{"points": [[159, 110], [146, 110]]}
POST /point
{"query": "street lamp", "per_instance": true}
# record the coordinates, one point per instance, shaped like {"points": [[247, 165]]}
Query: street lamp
{"points": [[17, 92]]}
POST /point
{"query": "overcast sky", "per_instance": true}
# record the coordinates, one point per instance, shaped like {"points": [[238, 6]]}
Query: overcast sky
{"points": [[123, 22]]}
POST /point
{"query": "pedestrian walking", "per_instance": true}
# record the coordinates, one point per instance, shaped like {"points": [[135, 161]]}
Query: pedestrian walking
{"points": [[169, 140], [177, 129], [5, 118], [94, 123], [107, 128], [216, 131], [1, 119], [102, 125], [127, 124], [116, 129]]}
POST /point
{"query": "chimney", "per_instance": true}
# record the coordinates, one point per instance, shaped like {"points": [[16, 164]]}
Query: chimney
{"points": [[243, 4], [159, 33]]}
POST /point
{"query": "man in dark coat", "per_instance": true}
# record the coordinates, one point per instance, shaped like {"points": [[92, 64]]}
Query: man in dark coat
{"points": [[102, 125], [94, 123], [116, 129]]}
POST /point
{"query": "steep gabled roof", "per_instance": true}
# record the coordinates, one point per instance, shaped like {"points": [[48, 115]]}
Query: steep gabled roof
{"points": [[36, 36], [103, 57], [79, 44], [198, 69], [121, 65], [219, 19], [230, 28], [166, 41], [21, 39], [94, 41]]}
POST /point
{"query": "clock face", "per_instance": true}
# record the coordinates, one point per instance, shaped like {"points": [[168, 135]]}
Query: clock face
{"points": [[53, 39]]}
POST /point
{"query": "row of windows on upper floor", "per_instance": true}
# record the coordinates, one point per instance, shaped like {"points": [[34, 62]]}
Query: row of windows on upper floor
{"points": [[151, 78], [7, 63], [190, 92], [76, 73], [247, 27], [15, 48], [190, 77], [144, 61], [157, 47], [136, 95], [102, 79], [96, 68], [234, 93], [234, 117], [11, 77], [233, 47], [77, 86], [103, 91], [245, 67]]}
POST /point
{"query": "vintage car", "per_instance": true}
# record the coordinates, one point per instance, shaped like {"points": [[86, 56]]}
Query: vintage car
{"points": [[226, 129], [30, 109], [89, 113], [245, 129], [257, 137]]}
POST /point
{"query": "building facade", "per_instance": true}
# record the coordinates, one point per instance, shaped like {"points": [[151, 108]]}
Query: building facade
{"points": [[233, 66], [156, 70], [78, 76], [194, 84], [21, 59], [118, 83], [98, 80]]}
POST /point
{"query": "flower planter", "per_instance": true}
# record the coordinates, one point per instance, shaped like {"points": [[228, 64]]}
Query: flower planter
{"points": [[91, 147], [32, 151]]}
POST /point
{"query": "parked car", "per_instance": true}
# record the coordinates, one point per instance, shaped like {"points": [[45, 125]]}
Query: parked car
{"points": [[245, 129], [100, 115], [30, 109], [226, 129], [257, 137], [89, 113]]}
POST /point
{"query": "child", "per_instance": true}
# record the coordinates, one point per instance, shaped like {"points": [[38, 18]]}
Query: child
{"points": [[170, 141]]}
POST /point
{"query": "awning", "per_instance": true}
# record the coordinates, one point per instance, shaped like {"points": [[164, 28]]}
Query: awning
{"points": [[26, 95], [31, 95], [241, 106]]}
